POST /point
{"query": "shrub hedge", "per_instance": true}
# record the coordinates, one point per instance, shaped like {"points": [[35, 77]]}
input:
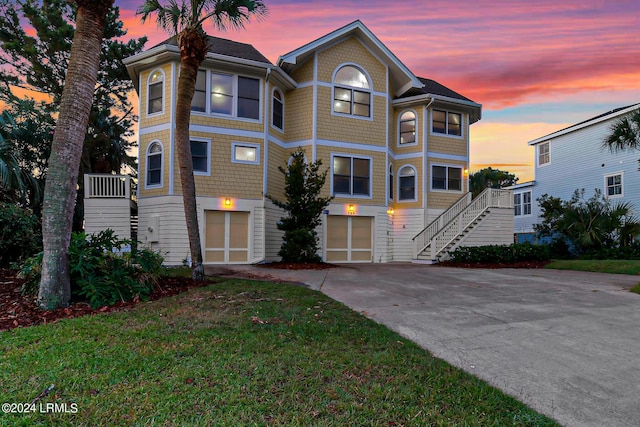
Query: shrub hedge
{"points": [[501, 254]]}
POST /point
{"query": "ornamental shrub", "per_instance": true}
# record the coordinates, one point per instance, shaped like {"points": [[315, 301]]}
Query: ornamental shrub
{"points": [[20, 234], [103, 269], [501, 254]]}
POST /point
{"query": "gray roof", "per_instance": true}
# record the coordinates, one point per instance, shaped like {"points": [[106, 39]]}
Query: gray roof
{"points": [[227, 47], [432, 87]]}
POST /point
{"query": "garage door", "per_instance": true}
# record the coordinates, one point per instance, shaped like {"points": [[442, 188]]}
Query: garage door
{"points": [[349, 238], [226, 237]]}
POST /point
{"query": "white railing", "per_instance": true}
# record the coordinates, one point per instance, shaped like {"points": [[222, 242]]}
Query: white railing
{"points": [[107, 186], [422, 239], [489, 198]]}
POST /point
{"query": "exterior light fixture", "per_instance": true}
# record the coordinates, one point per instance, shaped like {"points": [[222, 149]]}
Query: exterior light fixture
{"points": [[351, 209], [466, 172], [390, 211], [227, 202]]}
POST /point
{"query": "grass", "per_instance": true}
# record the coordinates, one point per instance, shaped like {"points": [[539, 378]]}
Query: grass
{"points": [[601, 266], [241, 353]]}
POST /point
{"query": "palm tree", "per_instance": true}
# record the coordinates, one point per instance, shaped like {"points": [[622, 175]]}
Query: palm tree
{"points": [[185, 20], [625, 133], [16, 182], [66, 150]]}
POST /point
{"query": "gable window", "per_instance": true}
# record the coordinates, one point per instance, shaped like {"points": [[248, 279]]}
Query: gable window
{"points": [[522, 203], [245, 153], [447, 178], [407, 128], [351, 92], [156, 92], [226, 94], [351, 176], [543, 154], [390, 182], [446, 122], [200, 156], [154, 164], [613, 185], [277, 110], [407, 183]]}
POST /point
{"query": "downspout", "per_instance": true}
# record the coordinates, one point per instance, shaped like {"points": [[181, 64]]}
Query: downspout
{"points": [[266, 130], [425, 182]]}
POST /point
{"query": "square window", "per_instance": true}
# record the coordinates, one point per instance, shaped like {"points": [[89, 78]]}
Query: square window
{"points": [[614, 185], [447, 178], [351, 176], [245, 154]]}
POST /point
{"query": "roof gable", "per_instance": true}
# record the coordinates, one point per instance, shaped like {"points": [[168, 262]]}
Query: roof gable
{"points": [[402, 79]]}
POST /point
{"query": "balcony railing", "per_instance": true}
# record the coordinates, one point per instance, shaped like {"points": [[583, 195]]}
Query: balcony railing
{"points": [[107, 186]]}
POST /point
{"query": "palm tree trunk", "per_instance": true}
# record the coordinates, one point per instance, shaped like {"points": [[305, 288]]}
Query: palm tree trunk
{"points": [[186, 89], [60, 188]]}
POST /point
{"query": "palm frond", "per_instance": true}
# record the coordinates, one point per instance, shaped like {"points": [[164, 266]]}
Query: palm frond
{"points": [[624, 133], [234, 14], [170, 18]]}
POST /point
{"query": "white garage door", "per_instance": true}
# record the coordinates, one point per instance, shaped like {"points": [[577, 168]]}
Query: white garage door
{"points": [[349, 238], [226, 237]]}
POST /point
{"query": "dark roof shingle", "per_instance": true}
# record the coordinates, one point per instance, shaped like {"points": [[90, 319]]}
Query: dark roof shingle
{"points": [[432, 87], [227, 47]]}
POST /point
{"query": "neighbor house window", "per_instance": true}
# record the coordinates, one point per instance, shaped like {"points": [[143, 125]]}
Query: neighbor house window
{"points": [[407, 180], [245, 153], [407, 128], [613, 184], [351, 92], [446, 122], [200, 156], [522, 203], [277, 110], [351, 176], [156, 92], [543, 154], [446, 178], [154, 164], [227, 94]]}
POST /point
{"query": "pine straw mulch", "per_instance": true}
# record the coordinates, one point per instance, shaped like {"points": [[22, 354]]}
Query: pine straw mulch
{"points": [[17, 310]]}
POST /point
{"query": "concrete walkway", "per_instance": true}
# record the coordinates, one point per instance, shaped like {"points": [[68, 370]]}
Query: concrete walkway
{"points": [[565, 343]]}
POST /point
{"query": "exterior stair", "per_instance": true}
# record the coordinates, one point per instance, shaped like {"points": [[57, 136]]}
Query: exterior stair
{"points": [[464, 218]]}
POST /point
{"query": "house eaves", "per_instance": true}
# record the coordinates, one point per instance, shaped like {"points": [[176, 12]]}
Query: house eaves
{"points": [[589, 122], [401, 77], [474, 109]]}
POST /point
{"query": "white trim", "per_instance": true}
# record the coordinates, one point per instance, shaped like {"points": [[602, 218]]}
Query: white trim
{"points": [[606, 186], [172, 127], [415, 184], [164, 81], [390, 187], [433, 154], [446, 190], [209, 159], [415, 129], [351, 145], [156, 128], [314, 111], [522, 204], [234, 145], [138, 136], [226, 131], [355, 196], [146, 172]]}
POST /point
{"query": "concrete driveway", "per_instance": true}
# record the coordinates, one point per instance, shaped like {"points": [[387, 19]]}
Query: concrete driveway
{"points": [[565, 343]]}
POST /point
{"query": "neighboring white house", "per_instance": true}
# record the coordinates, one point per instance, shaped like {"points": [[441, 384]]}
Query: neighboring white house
{"points": [[575, 158]]}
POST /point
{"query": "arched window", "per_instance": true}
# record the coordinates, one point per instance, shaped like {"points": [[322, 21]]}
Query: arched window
{"points": [[154, 164], [407, 183], [407, 128], [155, 92], [351, 92], [390, 182], [277, 110]]}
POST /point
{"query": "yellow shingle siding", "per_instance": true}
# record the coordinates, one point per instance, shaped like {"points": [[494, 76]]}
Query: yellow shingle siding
{"points": [[145, 140], [157, 118], [304, 73], [352, 51], [298, 115], [439, 143]]}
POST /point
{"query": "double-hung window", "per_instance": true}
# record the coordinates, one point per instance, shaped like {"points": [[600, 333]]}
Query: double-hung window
{"points": [[522, 203], [613, 185], [154, 165], [351, 176], [407, 128], [277, 110], [446, 122], [448, 178], [200, 156], [227, 94], [544, 156], [351, 92], [407, 183], [155, 92]]}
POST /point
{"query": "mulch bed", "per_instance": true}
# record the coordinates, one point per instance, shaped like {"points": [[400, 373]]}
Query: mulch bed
{"points": [[523, 264], [17, 310], [298, 266]]}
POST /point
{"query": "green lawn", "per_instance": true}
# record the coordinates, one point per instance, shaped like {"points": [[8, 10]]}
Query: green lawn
{"points": [[241, 353], [602, 266]]}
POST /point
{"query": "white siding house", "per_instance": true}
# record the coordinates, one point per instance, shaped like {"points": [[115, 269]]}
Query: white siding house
{"points": [[575, 158]]}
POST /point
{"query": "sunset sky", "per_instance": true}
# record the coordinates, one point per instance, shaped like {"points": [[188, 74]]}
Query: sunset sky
{"points": [[535, 66]]}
